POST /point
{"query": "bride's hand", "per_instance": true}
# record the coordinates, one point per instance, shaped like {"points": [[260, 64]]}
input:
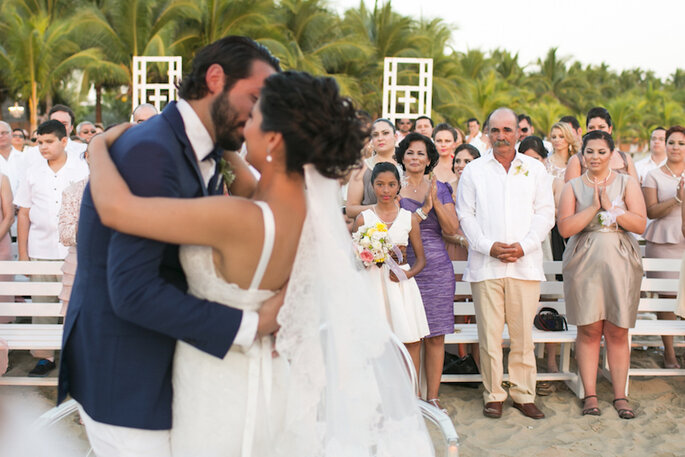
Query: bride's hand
{"points": [[268, 312]]}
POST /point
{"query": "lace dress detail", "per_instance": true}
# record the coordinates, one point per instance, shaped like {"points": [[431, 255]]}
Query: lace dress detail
{"points": [[230, 406], [67, 226]]}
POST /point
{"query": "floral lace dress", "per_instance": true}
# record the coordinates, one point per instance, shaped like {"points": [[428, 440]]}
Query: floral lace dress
{"points": [[67, 225]]}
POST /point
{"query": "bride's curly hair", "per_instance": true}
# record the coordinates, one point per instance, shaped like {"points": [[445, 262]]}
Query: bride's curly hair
{"points": [[318, 125]]}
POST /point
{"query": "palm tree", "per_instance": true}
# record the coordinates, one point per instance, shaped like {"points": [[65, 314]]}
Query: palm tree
{"points": [[127, 28], [39, 49]]}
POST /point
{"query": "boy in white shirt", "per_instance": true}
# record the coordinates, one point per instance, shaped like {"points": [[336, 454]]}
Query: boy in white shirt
{"points": [[39, 199]]}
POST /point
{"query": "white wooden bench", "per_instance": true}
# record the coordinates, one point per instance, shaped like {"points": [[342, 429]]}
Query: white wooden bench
{"points": [[30, 336], [650, 327], [549, 291]]}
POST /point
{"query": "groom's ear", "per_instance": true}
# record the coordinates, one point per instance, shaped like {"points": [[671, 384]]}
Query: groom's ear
{"points": [[215, 78]]}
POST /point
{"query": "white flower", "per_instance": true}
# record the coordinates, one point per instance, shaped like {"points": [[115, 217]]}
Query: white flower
{"points": [[377, 236], [377, 246]]}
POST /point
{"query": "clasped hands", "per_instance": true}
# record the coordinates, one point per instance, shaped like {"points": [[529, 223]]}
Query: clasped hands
{"points": [[507, 253]]}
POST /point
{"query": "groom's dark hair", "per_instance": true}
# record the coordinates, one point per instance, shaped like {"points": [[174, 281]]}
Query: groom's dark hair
{"points": [[235, 54]]}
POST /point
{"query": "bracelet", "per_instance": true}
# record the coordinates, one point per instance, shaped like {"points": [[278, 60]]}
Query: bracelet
{"points": [[421, 214], [679, 201]]}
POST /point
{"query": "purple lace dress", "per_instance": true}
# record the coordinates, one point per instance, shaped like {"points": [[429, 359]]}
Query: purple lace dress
{"points": [[436, 280]]}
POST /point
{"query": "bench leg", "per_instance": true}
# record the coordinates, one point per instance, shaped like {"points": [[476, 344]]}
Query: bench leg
{"points": [[575, 384]]}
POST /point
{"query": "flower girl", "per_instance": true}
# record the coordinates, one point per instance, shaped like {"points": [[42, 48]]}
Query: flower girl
{"points": [[382, 234]]}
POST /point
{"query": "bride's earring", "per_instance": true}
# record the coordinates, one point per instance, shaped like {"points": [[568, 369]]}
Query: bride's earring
{"points": [[268, 156]]}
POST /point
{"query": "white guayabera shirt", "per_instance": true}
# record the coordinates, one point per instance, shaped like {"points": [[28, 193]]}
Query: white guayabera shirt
{"points": [[509, 207]]}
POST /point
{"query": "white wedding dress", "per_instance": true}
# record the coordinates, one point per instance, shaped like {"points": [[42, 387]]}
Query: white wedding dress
{"points": [[232, 406], [345, 391]]}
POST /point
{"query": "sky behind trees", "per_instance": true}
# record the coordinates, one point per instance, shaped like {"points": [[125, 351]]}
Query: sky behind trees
{"points": [[622, 33]]}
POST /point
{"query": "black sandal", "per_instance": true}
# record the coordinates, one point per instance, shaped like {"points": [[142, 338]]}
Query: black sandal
{"points": [[594, 411], [625, 413]]}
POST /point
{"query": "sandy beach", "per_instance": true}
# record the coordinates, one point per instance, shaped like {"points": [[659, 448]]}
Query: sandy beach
{"points": [[658, 430]]}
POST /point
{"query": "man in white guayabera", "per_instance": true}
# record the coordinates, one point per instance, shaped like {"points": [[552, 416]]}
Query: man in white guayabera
{"points": [[506, 208]]}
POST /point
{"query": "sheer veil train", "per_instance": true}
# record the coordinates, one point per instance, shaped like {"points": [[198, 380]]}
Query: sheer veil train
{"points": [[349, 394]]}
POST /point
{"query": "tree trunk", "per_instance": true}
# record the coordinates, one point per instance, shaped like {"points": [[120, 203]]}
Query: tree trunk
{"points": [[98, 103], [33, 106]]}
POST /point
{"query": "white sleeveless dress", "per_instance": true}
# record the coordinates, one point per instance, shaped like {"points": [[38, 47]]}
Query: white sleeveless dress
{"points": [[400, 301], [232, 406]]}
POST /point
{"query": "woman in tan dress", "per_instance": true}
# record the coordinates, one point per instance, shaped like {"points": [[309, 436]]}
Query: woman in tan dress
{"points": [[602, 266], [663, 191], [67, 226]]}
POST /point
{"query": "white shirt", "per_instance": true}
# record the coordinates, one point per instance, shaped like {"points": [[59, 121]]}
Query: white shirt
{"points": [[478, 143], [202, 145], [12, 167], [41, 192], [494, 205], [644, 166]]}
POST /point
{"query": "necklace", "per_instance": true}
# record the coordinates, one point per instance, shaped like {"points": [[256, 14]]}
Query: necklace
{"points": [[388, 224], [675, 176], [593, 181], [410, 185]]}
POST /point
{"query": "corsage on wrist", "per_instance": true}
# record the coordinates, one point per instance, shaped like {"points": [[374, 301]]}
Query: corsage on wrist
{"points": [[608, 218]]}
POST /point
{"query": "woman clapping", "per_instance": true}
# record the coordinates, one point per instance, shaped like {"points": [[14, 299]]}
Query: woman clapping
{"points": [[602, 266]]}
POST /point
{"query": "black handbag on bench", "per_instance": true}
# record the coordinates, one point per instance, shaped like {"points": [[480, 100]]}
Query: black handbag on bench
{"points": [[549, 320]]}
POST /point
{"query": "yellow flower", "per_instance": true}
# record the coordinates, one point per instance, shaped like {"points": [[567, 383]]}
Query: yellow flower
{"points": [[371, 231], [381, 227]]}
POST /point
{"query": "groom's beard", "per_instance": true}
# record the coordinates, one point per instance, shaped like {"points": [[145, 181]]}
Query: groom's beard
{"points": [[226, 124]]}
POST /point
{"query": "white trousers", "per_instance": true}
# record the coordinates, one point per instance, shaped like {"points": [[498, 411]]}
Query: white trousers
{"points": [[115, 441]]}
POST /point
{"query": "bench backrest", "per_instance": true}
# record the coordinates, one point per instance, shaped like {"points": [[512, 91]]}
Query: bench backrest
{"points": [[552, 292], [19, 285]]}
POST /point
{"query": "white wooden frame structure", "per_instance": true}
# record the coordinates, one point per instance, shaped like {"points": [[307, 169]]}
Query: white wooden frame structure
{"points": [[405, 96], [161, 92]]}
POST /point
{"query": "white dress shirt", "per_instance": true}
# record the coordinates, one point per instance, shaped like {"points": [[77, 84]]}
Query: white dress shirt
{"points": [[41, 192], [494, 205], [644, 166], [478, 142], [12, 167], [202, 145]]}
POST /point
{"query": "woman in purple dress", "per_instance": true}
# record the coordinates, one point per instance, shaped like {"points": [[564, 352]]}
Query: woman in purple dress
{"points": [[433, 207]]}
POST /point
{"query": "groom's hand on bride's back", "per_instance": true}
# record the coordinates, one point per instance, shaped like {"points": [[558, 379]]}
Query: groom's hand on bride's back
{"points": [[268, 312]]}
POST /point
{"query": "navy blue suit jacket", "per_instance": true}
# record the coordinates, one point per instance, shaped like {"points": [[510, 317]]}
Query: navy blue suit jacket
{"points": [[129, 303]]}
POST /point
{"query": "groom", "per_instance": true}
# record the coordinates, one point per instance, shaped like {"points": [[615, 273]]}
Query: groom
{"points": [[129, 303]]}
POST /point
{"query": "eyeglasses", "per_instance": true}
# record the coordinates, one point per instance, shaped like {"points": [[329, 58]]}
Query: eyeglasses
{"points": [[33, 140], [17, 135], [88, 131]]}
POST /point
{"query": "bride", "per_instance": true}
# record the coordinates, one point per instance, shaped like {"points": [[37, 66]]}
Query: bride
{"points": [[337, 385]]}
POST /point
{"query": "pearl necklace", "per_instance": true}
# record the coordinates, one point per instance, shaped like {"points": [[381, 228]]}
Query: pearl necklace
{"points": [[673, 175], [593, 181]]}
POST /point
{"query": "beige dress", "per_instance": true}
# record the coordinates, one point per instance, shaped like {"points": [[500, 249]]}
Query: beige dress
{"points": [[664, 235], [602, 266]]}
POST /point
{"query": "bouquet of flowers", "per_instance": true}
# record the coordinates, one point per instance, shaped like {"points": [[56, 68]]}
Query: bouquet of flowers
{"points": [[372, 244]]}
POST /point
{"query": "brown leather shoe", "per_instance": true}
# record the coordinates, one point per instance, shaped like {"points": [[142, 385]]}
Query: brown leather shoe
{"points": [[529, 410], [493, 409]]}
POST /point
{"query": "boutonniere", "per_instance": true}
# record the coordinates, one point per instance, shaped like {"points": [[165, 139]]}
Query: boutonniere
{"points": [[226, 171], [520, 168]]}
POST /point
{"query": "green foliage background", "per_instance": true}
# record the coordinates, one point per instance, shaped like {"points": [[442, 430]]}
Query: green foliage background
{"points": [[55, 50]]}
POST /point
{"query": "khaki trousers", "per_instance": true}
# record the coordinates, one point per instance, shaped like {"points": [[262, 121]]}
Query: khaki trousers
{"points": [[514, 302], [37, 353]]}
